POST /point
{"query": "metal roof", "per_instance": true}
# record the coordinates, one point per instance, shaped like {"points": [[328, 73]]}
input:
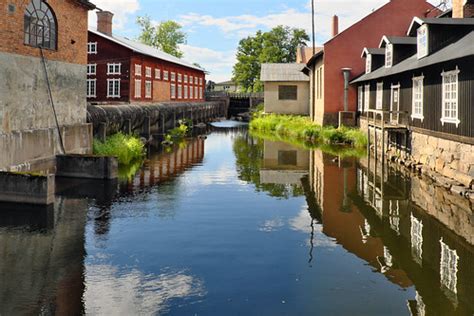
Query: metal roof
{"points": [[373, 51], [146, 50], [397, 40], [437, 21], [86, 4], [283, 72], [459, 49]]}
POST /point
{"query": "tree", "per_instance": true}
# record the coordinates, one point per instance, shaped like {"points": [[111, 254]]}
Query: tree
{"points": [[166, 36], [276, 46]]}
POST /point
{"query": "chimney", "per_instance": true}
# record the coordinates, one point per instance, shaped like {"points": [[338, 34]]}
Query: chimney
{"points": [[335, 25], [463, 9], [104, 22]]}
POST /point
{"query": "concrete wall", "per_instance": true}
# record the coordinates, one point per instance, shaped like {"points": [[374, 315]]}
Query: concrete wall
{"points": [[299, 106]]}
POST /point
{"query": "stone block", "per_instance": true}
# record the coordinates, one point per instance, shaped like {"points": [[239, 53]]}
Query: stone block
{"points": [[86, 167], [26, 188], [459, 190]]}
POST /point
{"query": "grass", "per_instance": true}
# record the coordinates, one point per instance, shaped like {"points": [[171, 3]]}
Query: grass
{"points": [[127, 148], [300, 130], [179, 133]]}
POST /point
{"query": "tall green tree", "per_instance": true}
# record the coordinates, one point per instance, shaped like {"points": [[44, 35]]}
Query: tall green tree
{"points": [[276, 46], [166, 36]]}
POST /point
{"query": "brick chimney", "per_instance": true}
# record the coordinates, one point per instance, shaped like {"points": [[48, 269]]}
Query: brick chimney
{"points": [[335, 25], [463, 9], [104, 22]]}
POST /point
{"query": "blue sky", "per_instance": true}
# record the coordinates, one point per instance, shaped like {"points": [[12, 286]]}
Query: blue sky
{"points": [[214, 27]]}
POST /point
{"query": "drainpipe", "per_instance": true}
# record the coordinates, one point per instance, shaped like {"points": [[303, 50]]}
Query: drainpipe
{"points": [[346, 72]]}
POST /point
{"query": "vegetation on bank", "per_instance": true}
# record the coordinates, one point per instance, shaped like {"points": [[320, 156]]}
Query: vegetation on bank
{"points": [[178, 134], [301, 130], [127, 148]]}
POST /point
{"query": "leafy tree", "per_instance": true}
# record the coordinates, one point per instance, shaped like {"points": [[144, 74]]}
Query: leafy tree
{"points": [[166, 36], [276, 46]]}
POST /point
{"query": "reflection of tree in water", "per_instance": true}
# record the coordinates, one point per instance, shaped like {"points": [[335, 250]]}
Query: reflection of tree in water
{"points": [[249, 158]]}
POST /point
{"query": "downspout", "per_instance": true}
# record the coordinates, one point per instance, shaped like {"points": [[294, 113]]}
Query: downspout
{"points": [[61, 143]]}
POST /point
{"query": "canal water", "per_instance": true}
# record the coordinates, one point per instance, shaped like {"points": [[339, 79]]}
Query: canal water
{"points": [[232, 225]]}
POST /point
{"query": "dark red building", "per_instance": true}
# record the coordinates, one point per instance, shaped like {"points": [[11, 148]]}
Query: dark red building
{"points": [[122, 70]]}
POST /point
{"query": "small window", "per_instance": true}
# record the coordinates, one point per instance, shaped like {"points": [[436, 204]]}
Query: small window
{"points": [[196, 80], [191, 78], [389, 56], [40, 28], [91, 69], [138, 88], [185, 78], [113, 88], [368, 63], [180, 78], [379, 99], [186, 91], [157, 74], [200, 93], [191, 94], [196, 93], [367, 97], [148, 87], [114, 69], [92, 48], [173, 91], [450, 113], [200, 81], [360, 98], [287, 93], [148, 72], [422, 41], [166, 75], [173, 76], [138, 70], [91, 88], [180, 91], [417, 102]]}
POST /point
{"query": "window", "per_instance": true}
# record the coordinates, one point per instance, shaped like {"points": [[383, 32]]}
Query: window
{"points": [[191, 79], [157, 74], [389, 55], [450, 98], [191, 94], [368, 63], [173, 91], [186, 92], [148, 89], [195, 80], [200, 93], [148, 72], [180, 78], [449, 267], [180, 91], [185, 78], [422, 41], [91, 69], [195, 93], [173, 76], [138, 88], [416, 233], [166, 75], [360, 98], [379, 97], [92, 48], [91, 88], [113, 88], [138, 70], [287, 93], [417, 102], [114, 69], [40, 25], [367, 97], [200, 81]]}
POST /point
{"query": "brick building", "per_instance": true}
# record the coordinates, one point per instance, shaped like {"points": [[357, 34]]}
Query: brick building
{"points": [[342, 51], [57, 30], [121, 70]]}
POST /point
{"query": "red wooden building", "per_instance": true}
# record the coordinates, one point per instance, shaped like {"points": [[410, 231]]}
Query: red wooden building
{"points": [[121, 70]]}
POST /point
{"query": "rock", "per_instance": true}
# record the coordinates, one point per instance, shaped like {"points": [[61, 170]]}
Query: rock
{"points": [[439, 166], [459, 190]]}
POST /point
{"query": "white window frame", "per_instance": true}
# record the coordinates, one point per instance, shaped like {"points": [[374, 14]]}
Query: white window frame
{"points": [[138, 70], [196, 80], [191, 80], [185, 78], [180, 91], [173, 77], [196, 93], [453, 101], [173, 91], [157, 73], [389, 55], [367, 97], [360, 98], [191, 93], [200, 81], [92, 69], [148, 89], [200, 93], [92, 48], [422, 40], [186, 89], [115, 89], [92, 83], [116, 69], [148, 72], [180, 78], [166, 75], [138, 89], [379, 96], [418, 98], [368, 64]]}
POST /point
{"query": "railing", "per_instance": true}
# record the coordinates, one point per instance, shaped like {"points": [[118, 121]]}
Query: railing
{"points": [[387, 119], [216, 94]]}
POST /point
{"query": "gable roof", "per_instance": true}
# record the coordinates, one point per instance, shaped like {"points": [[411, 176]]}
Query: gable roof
{"points": [[397, 40], [417, 22], [459, 49], [283, 72], [372, 51], [145, 50]]}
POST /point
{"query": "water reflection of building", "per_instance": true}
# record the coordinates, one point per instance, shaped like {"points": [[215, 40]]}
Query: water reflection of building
{"points": [[283, 164], [42, 251]]}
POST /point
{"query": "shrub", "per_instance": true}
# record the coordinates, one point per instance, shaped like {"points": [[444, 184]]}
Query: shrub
{"points": [[127, 148]]}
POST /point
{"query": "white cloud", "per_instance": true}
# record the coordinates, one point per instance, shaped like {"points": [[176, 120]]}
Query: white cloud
{"points": [[122, 9]]}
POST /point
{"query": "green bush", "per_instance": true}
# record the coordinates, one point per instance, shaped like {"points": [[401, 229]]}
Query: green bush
{"points": [[127, 148]]}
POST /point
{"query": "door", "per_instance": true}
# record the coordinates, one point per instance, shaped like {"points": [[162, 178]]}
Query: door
{"points": [[395, 104]]}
